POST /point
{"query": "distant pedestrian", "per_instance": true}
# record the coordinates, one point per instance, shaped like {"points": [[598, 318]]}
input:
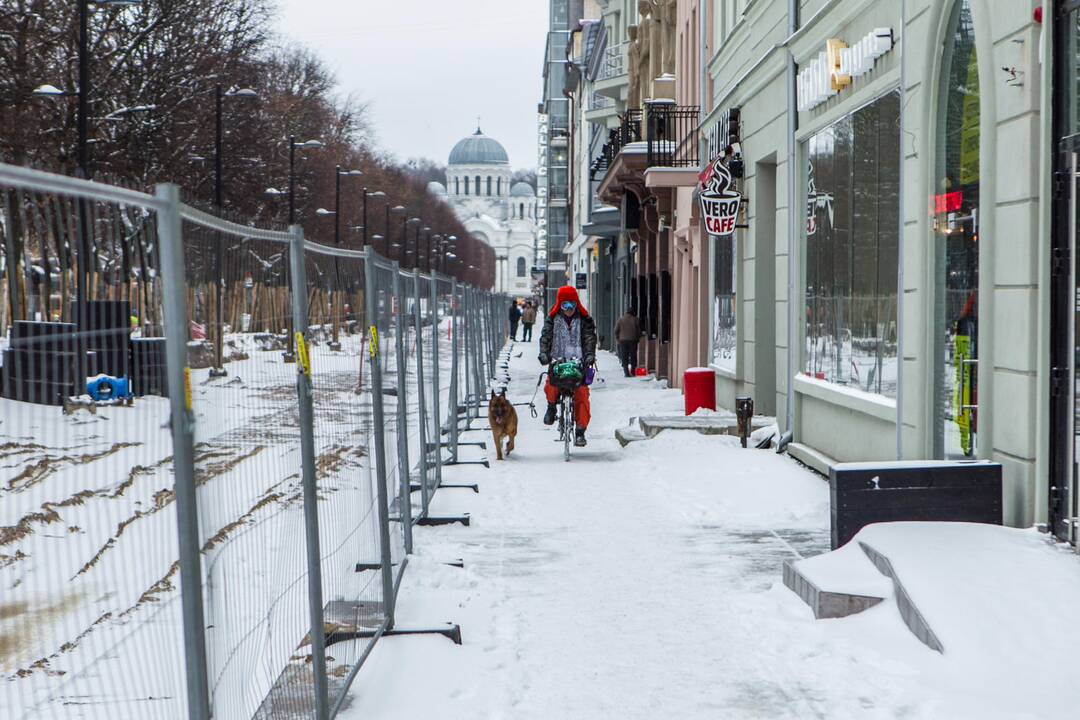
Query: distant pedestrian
{"points": [[627, 334], [528, 319], [515, 316]]}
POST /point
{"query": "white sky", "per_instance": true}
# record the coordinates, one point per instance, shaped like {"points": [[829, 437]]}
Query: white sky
{"points": [[428, 68]]}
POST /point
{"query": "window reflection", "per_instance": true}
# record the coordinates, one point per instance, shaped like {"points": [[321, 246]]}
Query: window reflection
{"points": [[852, 233]]}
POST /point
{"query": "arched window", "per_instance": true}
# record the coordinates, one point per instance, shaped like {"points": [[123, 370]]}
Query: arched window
{"points": [[477, 184], [521, 210], [457, 186], [489, 186], [498, 187], [521, 267], [466, 184]]}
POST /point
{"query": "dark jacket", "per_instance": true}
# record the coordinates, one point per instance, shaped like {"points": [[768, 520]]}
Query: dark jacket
{"points": [[628, 329], [514, 313], [588, 336]]}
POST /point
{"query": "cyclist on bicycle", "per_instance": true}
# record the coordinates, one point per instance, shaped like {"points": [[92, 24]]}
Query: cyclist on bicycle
{"points": [[569, 334]]}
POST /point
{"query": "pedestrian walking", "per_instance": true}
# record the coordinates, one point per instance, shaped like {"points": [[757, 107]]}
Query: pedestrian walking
{"points": [[528, 319], [515, 316], [627, 334]]}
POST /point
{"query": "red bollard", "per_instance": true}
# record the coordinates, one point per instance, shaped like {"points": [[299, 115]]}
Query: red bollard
{"points": [[699, 389]]}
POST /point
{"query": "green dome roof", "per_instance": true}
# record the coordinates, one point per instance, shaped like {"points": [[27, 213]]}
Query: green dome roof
{"points": [[478, 149]]}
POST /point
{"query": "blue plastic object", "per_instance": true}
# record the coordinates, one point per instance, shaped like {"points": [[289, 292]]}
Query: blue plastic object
{"points": [[105, 387]]}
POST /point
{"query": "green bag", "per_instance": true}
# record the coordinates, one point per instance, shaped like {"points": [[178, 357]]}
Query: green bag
{"points": [[566, 372]]}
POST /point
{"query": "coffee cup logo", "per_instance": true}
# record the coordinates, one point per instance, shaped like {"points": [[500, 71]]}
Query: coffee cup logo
{"points": [[719, 198]]}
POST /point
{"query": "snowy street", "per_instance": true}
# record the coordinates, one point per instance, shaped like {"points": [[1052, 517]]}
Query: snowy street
{"points": [[642, 582]]}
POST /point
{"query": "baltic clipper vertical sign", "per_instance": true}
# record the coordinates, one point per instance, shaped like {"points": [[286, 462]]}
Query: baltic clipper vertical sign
{"points": [[719, 198]]}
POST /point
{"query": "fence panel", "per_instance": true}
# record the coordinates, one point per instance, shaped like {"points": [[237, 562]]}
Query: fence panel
{"points": [[89, 616], [149, 536]]}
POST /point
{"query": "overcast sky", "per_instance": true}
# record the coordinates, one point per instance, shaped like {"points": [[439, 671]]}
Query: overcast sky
{"points": [[428, 68]]}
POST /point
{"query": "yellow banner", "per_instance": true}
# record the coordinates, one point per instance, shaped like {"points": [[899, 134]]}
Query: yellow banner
{"points": [[302, 354], [373, 346], [187, 388]]}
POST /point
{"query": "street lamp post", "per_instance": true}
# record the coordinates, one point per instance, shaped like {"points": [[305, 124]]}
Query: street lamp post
{"points": [[396, 210], [219, 201], [405, 223], [335, 292], [293, 147], [374, 193]]}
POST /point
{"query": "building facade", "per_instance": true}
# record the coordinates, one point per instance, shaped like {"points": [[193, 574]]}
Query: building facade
{"points": [[901, 282], [503, 215]]}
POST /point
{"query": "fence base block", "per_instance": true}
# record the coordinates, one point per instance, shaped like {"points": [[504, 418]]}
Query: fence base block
{"points": [[485, 463], [218, 372], [450, 631], [477, 443], [445, 520], [450, 486]]}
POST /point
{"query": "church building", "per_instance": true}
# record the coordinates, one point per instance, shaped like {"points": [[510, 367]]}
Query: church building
{"points": [[503, 216]]}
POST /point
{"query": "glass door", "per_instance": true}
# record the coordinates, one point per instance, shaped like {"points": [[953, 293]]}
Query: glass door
{"points": [[956, 243]]}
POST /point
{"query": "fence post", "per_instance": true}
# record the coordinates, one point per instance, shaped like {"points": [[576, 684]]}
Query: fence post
{"points": [[418, 323], [170, 238], [478, 352], [436, 381], [378, 423], [404, 469], [304, 394], [455, 370]]}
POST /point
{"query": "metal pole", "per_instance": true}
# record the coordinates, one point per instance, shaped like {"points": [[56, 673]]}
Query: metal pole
{"points": [[304, 394], [363, 242], [182, 420], [436, 442], [336, 290], [386, 238], [404, 468], [378, 423], [418, 323], [292, 180], [452, 411], [219, 253]]}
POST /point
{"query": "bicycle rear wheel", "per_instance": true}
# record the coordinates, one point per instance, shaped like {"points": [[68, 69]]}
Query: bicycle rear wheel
{"points": [[568, 425]]}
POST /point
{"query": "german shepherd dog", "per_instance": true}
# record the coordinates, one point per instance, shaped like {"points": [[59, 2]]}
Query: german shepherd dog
{"points": [[503, 420]]}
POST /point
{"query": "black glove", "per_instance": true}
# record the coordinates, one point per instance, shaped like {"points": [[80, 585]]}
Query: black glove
{"points": [[589, 361], [544, 359]]}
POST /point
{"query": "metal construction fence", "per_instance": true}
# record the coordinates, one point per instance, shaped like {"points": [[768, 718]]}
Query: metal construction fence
{"points": [[215, 443]]}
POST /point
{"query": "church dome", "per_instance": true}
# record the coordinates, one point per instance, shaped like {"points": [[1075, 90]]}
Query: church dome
{"points": [[522, 189], [436, 188], [478, 149]]}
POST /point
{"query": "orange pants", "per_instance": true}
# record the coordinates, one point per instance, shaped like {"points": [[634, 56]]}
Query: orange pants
{"points": [[582, 412]]}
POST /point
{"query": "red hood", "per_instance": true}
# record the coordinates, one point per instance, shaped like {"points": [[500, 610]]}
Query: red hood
{"points": [[567, 292]]}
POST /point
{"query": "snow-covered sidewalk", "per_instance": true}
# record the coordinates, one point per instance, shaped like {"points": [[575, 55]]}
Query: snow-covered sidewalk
{"points": [[643, 582]]}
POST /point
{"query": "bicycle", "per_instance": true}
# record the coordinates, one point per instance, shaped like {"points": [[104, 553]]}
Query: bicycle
{"points": [[566, 385]]}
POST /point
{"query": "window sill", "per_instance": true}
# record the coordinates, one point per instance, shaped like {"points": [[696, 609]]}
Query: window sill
{"points": [[723, 372], [878, 406]]}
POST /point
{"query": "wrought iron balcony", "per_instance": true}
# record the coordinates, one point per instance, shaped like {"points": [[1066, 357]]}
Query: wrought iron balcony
{"points": [[629, 131], [671, 132]]}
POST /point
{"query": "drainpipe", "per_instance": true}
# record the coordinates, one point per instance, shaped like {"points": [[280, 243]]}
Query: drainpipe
{"points": [[901, 244], [704, 349], [793, 218]]}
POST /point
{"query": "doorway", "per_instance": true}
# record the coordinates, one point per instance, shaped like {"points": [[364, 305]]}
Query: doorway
{"points": [[764, 229]]}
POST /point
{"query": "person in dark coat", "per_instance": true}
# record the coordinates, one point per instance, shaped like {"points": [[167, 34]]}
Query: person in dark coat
{"points": [[515, 316], [627, 334], [569, 334]]}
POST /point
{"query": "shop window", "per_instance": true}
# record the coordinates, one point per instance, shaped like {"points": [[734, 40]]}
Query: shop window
{"points": [[723, 336], [654, 306], [521, 267], [851, 234], [956, 251]]}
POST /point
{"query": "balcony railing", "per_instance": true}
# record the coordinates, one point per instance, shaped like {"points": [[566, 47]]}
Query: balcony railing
{"points": [[672, 135], [614, 62], [629, 131], [600, 102]]}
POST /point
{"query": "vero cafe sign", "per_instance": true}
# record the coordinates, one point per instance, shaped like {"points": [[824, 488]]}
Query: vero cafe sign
{"points": [[719, 198], [834, 68]]}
